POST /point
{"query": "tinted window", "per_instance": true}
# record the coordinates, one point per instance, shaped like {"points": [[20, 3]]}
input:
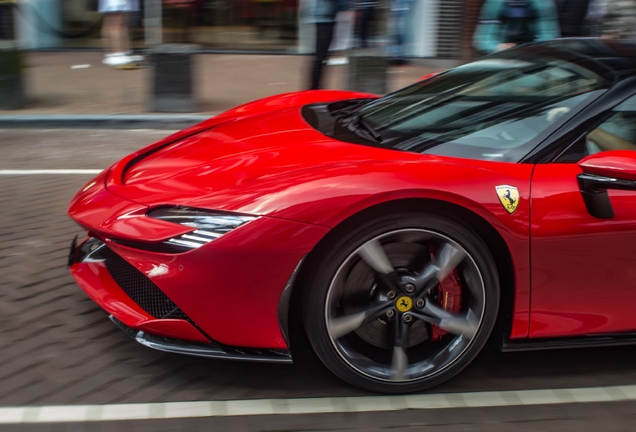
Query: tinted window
{"points": [[492, 109], [617, 132]]}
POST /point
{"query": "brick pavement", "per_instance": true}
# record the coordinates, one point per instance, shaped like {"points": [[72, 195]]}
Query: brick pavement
{"points": [[59, 348]]}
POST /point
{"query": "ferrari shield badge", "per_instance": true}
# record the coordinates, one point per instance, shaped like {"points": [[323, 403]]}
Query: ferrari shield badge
{"points": [[509, 197]]}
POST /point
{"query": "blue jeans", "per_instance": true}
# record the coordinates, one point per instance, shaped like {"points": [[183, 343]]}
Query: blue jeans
{"points": [[400, 22]]}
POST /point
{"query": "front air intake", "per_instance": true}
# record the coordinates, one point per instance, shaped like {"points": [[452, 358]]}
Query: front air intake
{"points": [[141, 289]]}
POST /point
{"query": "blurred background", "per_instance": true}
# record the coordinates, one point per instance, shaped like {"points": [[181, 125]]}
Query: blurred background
{"points": [[212, 55], [435, 28]]}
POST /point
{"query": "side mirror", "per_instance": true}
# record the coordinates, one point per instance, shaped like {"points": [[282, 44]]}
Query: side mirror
{"points": [[602, 171], [620, 164]]}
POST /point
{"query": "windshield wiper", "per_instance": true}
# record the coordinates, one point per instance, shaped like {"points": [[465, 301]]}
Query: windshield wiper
{"points": [[367, 126], [349, 109], [355, 121]]}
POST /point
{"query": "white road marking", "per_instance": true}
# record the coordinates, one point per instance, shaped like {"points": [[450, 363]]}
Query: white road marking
{"points": [[172, 410], [50, 171]]}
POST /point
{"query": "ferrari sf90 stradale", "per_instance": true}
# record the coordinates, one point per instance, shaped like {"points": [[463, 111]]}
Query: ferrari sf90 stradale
{"points": [[494, 199]]}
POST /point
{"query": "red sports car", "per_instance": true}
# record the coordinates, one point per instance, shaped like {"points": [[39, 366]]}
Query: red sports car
{"points": [[400, 231]]}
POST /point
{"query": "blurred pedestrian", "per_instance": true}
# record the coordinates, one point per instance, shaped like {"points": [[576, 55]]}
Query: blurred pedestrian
{"points": [[399, 24], [365, 15], [6, 19], [615, 19], [596, 10], [572, 16], [506, 23], [115, 35], [343, 34], [324, 18]]}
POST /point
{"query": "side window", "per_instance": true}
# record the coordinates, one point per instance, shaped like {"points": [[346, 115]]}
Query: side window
{"points": [[617, 131]]}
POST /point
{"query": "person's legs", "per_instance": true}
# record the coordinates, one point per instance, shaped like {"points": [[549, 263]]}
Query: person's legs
{"points": [[5, 21], [107, 37], [343, 32], [400, 34], [365, 25], [115, 33], [324, 35], [121, 41], [116, 40]]}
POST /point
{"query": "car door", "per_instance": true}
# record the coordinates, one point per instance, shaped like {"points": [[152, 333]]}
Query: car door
{"points": [[583, 237]]}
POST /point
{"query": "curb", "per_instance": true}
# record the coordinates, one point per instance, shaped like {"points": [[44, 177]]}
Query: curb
{"points": [[113, 121]]}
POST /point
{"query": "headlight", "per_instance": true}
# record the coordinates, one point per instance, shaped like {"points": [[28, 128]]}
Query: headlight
{"points": [[207, 225]]}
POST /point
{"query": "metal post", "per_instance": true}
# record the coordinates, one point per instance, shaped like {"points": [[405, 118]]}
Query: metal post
{"points": [[152, 22]]}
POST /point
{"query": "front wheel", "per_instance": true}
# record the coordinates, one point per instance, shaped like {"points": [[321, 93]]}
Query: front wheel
{"points": [[402, 303]]}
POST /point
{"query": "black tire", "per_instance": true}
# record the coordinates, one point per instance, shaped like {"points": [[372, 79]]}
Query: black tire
{"points": [[350, 279]]}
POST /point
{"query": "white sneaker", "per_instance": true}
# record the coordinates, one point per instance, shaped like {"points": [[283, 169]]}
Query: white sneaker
{"points": [[115, 59], [337, 61], [107, 58], [134, 57]]}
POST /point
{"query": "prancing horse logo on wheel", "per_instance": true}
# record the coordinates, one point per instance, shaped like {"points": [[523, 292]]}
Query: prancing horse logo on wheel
{"points": [[404, 304]]}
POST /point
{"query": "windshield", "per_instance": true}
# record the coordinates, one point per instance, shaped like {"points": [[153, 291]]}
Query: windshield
{"points": [[492, 109]]}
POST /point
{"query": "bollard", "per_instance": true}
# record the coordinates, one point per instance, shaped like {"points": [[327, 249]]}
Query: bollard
{"points": [[172, 78], [11, 80], [368, 71]]}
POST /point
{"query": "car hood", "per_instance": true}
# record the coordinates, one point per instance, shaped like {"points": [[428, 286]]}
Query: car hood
{"points": [[265, 159], [268, 152]]}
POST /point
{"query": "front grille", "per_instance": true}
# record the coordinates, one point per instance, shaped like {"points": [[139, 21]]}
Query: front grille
{"points": [[141, 289]]}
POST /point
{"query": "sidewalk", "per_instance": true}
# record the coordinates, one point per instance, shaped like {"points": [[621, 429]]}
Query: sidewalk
{"points": [[76, 83]]}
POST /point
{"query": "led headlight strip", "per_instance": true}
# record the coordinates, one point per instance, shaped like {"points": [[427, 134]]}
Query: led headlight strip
{"points": [[207, 225]]}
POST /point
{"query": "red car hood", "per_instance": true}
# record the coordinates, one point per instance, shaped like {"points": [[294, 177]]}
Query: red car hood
{"points": [[268, 152], [264, 159]]}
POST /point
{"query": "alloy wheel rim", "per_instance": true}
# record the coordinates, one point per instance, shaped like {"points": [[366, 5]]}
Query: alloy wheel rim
{"points": [[379, 312]]}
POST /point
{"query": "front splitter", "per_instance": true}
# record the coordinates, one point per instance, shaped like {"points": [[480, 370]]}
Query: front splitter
{"points": [[211, 350]]}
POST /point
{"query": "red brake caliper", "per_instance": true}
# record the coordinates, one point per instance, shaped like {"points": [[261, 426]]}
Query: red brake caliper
{"points": [[449, 293]]}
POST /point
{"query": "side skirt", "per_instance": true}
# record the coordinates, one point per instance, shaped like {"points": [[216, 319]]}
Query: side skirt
{"points": [[508, 345]]}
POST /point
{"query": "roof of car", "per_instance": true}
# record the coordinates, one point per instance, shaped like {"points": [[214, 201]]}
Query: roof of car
{"points": [[618, 55]]}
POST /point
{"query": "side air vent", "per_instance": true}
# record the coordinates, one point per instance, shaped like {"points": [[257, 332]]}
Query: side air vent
{"points": [[141, 289]]}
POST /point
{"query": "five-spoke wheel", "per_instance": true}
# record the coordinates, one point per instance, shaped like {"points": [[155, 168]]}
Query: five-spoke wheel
{"points": [[402, 303]]}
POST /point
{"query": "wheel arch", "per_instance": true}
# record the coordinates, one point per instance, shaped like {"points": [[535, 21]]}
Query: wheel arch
{"points": [[467, 218]]}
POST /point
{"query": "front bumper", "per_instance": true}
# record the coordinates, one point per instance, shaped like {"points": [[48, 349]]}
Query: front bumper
{"points": [[228, 291], [127, 294], [144, 312]]}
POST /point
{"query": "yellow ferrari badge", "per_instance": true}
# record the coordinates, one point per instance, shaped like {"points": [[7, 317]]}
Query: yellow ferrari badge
{"points": [[509, 197], [404, 304]]}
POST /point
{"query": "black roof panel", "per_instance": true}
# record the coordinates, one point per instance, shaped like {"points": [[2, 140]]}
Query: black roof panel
{"points": [[618, 55]]}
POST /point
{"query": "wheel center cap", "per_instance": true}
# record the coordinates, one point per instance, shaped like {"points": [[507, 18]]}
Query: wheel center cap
{"points": [[404, 304]]}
